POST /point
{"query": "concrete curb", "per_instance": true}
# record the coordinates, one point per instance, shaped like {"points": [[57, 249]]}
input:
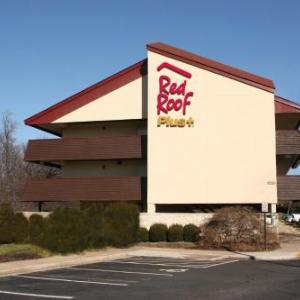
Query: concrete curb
{"points": [[273, 256], [58, 262], [54, 262]]}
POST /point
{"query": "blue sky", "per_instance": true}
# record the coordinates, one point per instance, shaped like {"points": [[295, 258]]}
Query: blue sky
{"points": [[51, 49]]}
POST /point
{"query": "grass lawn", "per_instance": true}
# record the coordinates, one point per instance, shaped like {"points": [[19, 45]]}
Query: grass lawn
{"points": [[11, 252]]}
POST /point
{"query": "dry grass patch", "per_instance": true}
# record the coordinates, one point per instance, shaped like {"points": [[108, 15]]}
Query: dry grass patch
{"points": [[12, 252]]}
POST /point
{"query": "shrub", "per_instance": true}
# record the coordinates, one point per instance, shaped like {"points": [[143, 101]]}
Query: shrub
{"points": [[20, 228], [175, 233], [65, 231], [121, 223], [36, 230], [190, 233], [231, 227], [143, 234], [158, 232], [6, 224], [94, 223]]}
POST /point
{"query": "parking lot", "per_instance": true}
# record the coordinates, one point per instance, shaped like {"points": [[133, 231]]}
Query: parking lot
{"points": [[159, 278]]}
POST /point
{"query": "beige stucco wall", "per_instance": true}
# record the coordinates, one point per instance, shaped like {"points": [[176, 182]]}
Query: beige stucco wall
{"points": [[229, 154], [198, 219], [126, 103], [99, 129], [104, 168]]}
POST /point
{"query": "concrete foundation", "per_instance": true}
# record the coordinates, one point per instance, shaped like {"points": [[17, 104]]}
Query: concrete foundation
{"points": [[147, 219]]}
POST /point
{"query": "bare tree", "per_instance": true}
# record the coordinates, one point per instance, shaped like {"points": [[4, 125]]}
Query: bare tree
{"points": [[33, 170], [13, 170], [10, 160]]}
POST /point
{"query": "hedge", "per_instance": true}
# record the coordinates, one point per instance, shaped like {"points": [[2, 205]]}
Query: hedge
{"points": [[65, 231], [143, 234], [121, 223], [68, 230], [13, 226], [158, 232], [94, 223], [175, 233], [7, 224], [20, 228], [36, 229], [190, 233]]}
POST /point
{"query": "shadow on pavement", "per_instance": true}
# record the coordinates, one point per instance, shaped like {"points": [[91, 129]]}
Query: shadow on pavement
{"points": [[286, 263], [250, 257]]}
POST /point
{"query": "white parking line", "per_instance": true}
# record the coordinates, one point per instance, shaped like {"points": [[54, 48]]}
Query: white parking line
{"points": [[221, 263], [162, 264], [147, 264], [218, 258], [180, 260], [36, 295], [166, 262], [124, 272], [68, 277], [70, 280]]}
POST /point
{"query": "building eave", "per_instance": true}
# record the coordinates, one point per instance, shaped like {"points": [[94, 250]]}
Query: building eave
{"points": [[212, 66]]}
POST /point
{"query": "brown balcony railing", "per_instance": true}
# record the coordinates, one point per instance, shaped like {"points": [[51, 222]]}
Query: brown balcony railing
{"points": [[125, 188], [288, 188], [98, 148], [287, 142]]}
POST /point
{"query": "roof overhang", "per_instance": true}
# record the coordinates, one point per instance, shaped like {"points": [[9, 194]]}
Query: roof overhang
{"points": [[212, 66]]}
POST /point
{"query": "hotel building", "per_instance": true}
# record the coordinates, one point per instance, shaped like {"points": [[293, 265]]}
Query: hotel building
{"points": [[176, 133]]}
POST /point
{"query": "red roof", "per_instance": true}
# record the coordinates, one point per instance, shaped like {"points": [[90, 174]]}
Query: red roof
{"points": [[283, 105], [89, 94], [212, 65]]}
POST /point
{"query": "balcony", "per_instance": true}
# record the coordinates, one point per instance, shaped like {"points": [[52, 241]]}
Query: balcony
{"points": [[125, 188], [55, 151], [287, 142], [287, 150], [288, 188]]}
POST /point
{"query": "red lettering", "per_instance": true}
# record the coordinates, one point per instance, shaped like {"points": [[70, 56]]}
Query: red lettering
{"points": [[173, 88], [186, 102], [164, 82], [170, 104], [167, 87], [174, 69], [177, 104], [181, 88], [161, 101]]}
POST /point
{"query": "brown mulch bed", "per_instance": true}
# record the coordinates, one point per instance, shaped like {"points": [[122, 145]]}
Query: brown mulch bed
{"points": [[241, 247], [18, 256]]}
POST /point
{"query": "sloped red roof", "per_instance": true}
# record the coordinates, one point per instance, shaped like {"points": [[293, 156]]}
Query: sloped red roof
{"points": [[212, 65], [89, 94], [283, 105]]}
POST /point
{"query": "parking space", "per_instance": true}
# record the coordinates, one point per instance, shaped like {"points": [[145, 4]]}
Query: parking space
{"points": [[156, 278], [100, 279]]}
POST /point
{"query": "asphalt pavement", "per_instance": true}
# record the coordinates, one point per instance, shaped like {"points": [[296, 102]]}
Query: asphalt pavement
{"points": [[160, 278]]}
